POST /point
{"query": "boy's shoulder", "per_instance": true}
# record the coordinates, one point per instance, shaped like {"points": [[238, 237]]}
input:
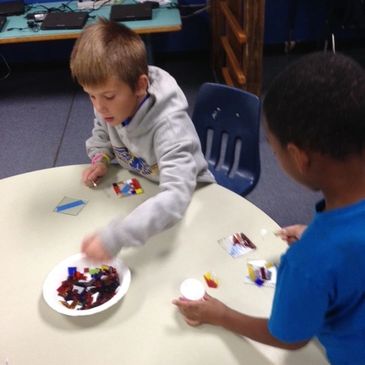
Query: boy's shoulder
{"points": [[160, 79], [157, 73], [168, 96]]}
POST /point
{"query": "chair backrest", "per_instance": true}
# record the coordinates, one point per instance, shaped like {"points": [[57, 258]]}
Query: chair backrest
{"points": [[227, 120]]}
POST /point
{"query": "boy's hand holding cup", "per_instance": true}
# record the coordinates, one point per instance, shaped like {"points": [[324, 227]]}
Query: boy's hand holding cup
{"points": [[197, 306]]}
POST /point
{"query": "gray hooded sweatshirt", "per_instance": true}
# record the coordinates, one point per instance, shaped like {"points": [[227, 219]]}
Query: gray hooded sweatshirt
{"points": [[161, 144]]}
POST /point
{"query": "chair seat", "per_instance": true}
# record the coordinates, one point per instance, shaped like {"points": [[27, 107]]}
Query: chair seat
{"points": [[241, 181]]}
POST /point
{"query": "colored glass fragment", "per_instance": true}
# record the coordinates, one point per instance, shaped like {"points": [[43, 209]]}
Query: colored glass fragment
{"points": [[260, 271], [116, 188], [128, 187], [73, 204], [211, 280], [70, 206], [243, 240], [237, 244], [89, 289], [259, 282], [71, 271]]}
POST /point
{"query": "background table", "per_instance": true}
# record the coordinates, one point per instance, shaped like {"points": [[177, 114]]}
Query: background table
{"points": [[144, 328], [163, 20]]}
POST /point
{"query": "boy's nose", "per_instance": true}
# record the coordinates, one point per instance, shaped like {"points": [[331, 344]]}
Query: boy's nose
{"points": [[99, 106]]}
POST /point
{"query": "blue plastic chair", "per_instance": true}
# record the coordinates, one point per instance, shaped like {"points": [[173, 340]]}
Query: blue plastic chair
{"points": [[227, 120]]}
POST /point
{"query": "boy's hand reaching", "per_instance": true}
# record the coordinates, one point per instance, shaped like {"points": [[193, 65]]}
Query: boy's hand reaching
{"points": [[92, 247], [208, 310], [291, 234], [93, 173]]}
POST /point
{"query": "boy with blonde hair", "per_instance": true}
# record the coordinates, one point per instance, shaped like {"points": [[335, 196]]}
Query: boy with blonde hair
{"points": [[141, 121], [315, 122]]}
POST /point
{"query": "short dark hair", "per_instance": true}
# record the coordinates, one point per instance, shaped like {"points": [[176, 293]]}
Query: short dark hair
{"points": [[318, 103]]}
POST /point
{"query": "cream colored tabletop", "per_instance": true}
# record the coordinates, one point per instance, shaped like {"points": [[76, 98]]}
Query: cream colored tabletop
{"points": [[143, 328]]}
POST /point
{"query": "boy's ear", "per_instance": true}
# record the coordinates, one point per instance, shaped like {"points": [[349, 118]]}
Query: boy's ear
{"points": [[142, 85], [300, 157]]}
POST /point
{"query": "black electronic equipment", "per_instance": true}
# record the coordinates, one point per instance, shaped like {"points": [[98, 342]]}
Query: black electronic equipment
{"points": [[69, 20], [2, 22], [128, 12], [12, 7]]}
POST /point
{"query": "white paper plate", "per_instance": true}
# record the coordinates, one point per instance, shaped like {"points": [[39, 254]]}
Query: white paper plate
{"points": [[59, 274]]}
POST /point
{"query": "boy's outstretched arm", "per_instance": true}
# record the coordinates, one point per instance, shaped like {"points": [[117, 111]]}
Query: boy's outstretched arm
{"points": [[212, 311], [93, 248]]}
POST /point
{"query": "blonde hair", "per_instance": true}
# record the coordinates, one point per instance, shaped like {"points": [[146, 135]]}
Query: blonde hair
{"points": [[107, 49]]}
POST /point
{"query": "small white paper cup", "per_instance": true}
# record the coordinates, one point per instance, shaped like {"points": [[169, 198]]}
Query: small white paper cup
{"points": [[192, 289]]}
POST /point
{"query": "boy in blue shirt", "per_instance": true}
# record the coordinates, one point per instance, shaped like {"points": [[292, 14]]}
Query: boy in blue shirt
{"points": [[315, 122]]}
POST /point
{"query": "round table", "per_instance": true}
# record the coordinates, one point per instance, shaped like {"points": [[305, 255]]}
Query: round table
{"points": [[143, 328]]}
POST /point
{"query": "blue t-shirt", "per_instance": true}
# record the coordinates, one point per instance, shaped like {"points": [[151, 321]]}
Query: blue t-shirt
{"points": [[320, 287]]}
